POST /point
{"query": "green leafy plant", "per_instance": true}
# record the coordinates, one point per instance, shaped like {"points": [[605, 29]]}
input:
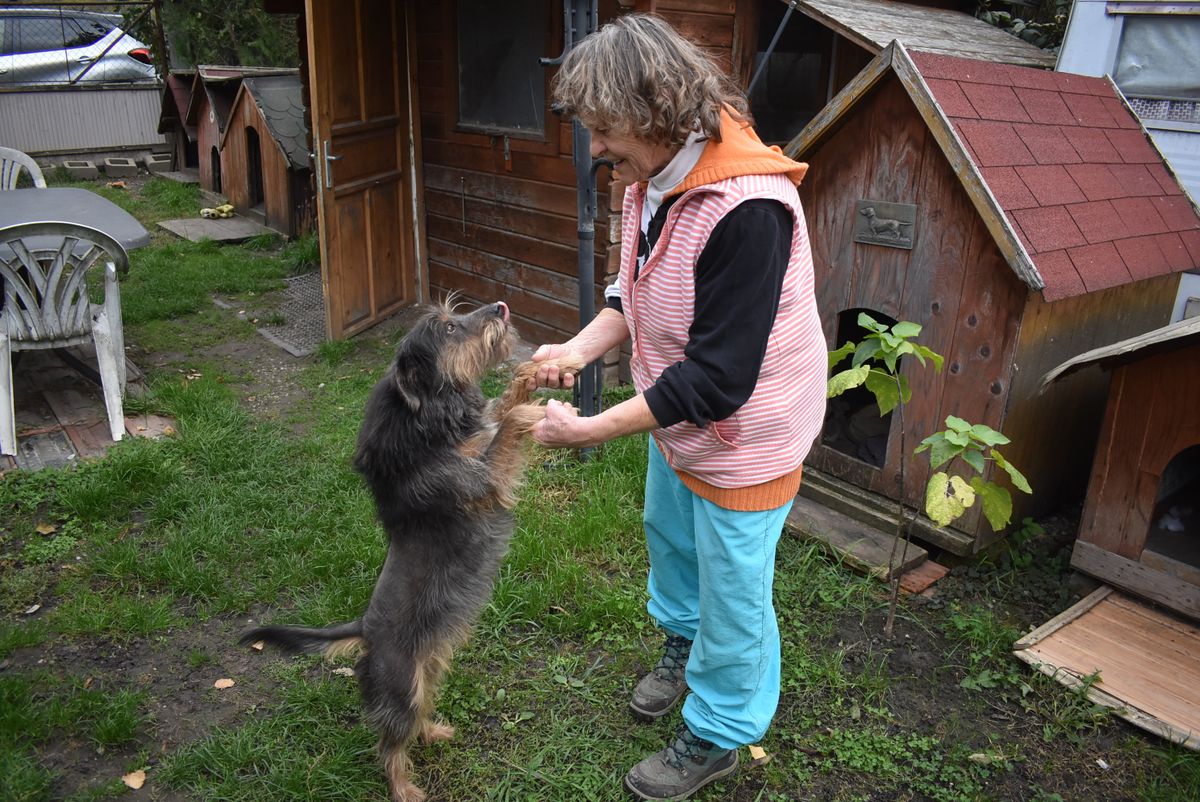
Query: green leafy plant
{"points": [[1042, 23], [948, 496]]}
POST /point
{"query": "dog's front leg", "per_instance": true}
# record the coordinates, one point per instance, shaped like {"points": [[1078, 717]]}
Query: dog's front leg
{"points": [[505, 456], [517, 391]]}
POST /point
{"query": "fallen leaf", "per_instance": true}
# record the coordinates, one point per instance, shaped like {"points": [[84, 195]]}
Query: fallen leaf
{"points": [[258, 645], [224, 683], [135, 779], [87, 683], [168, 430], [46, 529], [344, 672], [758, 756], [32, 609]]}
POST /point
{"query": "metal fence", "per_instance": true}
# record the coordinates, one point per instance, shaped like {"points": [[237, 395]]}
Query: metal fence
{"points": [[80, 44]]}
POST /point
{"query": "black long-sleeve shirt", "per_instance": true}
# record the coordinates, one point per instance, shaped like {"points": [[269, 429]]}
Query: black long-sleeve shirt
{"points": [[739, 279]]}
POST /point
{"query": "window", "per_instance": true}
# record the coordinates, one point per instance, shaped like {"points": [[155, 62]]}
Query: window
{"points": [[36, 34], [501, 84], [81, 32], [1159, 57]]}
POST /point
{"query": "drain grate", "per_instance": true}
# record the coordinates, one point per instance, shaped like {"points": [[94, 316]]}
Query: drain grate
{"points": [[303, 312]]}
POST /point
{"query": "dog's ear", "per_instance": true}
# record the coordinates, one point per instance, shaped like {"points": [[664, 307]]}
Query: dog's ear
{"points": [[407, 387], [413, 368]]}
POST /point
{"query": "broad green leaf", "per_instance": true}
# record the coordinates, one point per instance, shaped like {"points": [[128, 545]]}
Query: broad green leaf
{"points": [[887, 392], [1018, 479], [941, 450], [840, 354], [988, 436], [997, 502], [947, 497], [889, 359], [847, 379], [906, 328], [866, 349], [957, 424], [931, 355], [974, 458], [891, 341], [869, 323], [958, 438], [904, 348], [905, 390]]}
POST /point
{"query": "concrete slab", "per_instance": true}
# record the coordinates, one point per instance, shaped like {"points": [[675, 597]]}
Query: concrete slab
{"points": [[120, 167], [188, 175], [158, 162], [81, 168], [232, 229]]}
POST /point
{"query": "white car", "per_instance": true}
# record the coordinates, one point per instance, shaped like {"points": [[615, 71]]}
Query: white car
{"points": [[44, 45]]}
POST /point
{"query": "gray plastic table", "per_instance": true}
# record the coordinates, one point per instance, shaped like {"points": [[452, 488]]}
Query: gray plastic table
{"points": [[72, 205]]}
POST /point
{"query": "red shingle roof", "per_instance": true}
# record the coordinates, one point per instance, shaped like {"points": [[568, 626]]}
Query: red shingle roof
{"points": [[1077, 178]]}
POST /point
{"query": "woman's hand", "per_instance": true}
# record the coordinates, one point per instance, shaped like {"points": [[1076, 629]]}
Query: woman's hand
{"points": [[563, 428], [549, 375]]}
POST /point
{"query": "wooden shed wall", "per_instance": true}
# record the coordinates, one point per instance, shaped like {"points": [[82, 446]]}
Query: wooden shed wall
{"points": [[953, 282], [1054, 434], [726, 29], [208, 136], [1150, 419], [277, 196]]}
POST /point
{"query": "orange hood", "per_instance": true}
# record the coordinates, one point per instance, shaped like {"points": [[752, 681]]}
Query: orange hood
{"points": [[740, 152]]}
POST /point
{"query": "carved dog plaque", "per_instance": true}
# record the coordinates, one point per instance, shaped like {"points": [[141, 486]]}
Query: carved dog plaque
{"points": [[883, 223]]}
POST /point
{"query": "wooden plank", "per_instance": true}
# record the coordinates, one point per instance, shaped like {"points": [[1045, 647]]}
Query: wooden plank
{"points": [[1062, 619], [862, 547], [90, 440], [1148, 662], [537, 195], [923, 577], [505, 217], [45, 450], [1141, 580]]}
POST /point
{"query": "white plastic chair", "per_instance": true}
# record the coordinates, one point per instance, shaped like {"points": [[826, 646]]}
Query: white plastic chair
{"points": [[11, 164], [44, 271]]}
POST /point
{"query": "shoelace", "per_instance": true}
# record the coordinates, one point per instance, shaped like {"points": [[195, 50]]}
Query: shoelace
{"points": [[686, 746], [674, 658]]}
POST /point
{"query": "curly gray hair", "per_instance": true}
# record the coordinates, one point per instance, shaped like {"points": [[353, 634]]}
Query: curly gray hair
{"points": [[637, 76]]}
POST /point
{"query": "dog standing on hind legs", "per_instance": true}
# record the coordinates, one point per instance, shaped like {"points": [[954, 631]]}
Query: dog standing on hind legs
{"points": [[443, 466]]}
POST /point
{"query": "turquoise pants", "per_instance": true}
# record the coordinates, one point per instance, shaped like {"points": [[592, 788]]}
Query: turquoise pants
{"points": [[711, 572]]}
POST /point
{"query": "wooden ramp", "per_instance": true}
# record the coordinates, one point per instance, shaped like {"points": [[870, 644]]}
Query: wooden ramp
{"points": [[1148, 661]]}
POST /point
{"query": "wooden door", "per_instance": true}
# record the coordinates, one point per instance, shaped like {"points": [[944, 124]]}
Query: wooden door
{"points": [[360, 109]]}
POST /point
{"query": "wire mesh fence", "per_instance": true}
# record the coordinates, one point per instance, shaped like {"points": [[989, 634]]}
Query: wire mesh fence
{"points": [[80, 43]]}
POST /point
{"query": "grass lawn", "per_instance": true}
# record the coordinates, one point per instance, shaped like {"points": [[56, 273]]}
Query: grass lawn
{"points": [[146, 565]]}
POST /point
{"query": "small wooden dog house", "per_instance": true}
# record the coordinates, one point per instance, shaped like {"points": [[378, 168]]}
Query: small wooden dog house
{"points": [[265, 149], [1021, 216], [176, 98], [1140, 529]]}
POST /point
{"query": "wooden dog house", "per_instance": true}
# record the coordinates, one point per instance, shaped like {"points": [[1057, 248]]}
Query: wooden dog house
{"points": [[1140, 529], [176, 98], [1027, 217], [265, 150]]}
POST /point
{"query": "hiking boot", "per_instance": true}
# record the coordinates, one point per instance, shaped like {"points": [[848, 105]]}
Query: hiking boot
{"points": [[658, 691], [687, 764]]}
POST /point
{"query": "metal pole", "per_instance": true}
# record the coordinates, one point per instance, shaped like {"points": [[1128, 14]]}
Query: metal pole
{"points": [[771, 47]]}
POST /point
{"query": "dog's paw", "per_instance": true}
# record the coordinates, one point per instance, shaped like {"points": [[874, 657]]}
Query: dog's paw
{"points": [[523, 417], [526, 371], [435, 731]]}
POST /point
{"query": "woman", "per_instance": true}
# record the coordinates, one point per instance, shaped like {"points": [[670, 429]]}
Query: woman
{"points": [[716, 292]]}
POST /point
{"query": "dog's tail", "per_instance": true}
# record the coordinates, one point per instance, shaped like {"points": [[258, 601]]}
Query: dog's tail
{"points": [[331, 641]]}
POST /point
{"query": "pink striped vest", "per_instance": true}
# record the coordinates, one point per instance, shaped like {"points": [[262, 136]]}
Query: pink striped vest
{"points": [[771, 434]]}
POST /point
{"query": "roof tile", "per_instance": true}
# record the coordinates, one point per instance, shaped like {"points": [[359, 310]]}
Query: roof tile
{"points": [[1122, 115], [1091, 144], [1059, 274], [1088, 110], [1175, 251], [1142, 257], [1139, 216], [1010, 191], [1096, 181], [1176, 212], [1166, 181], [1191, 241], [951, 98], [1030, 78], [933, 65], [1133, 146], [1050, 185], [1046, 107], [1047, 144], [1081, 84], [1049, 229], [1100, 266], [994, 102], [995, 144], [1098, 221], [1136, 180]]}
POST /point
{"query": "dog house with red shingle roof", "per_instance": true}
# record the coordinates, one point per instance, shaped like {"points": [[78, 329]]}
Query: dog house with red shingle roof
{"points": [[1021, 216]]}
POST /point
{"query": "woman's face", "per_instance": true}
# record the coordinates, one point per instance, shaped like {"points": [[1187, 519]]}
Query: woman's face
{"points": [[633, 159]]}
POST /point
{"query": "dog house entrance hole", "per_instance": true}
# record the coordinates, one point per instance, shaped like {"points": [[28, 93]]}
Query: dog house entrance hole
{"points": [[853, 425], [1175, 525]]}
